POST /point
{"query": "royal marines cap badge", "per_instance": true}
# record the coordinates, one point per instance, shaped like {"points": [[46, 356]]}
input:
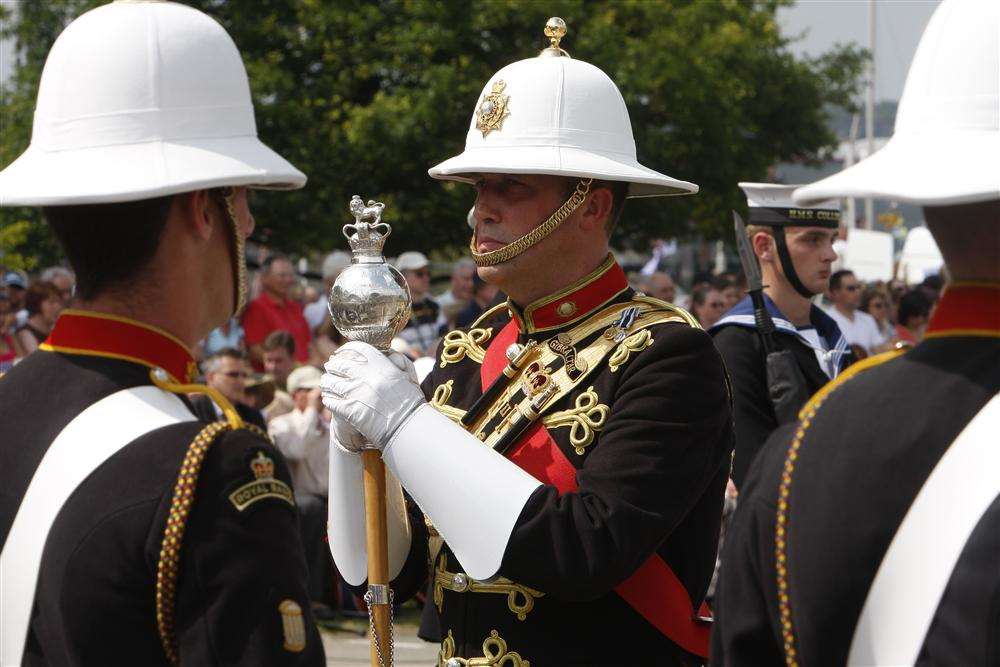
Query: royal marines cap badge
{"points": [[493, 110]]}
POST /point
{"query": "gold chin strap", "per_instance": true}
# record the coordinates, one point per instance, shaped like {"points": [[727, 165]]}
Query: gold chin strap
{"points": [[515, 248], [239, 251]]}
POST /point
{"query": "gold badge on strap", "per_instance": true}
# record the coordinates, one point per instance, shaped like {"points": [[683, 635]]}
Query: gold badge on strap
{"points": [[292, 626], [493, 110]]}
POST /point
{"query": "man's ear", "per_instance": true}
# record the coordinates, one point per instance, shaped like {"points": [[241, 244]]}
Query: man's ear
{"points": [[596, 209], [763, 246], [198, 211]]}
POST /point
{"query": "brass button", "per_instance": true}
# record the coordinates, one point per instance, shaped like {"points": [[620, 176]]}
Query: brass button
{"points": [[566, 309]]}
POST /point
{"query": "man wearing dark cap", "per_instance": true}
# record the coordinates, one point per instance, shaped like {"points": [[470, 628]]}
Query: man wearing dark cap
{"points": [[794, 247]]}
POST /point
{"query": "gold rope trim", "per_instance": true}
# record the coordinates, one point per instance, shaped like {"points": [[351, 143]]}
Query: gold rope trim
{"points": [[806, 416], [515, 248], [167, 568]]}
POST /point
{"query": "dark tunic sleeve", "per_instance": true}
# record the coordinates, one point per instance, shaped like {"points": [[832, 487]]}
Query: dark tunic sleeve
{"points": [[754, 416], [237, 567], [666, 439]]}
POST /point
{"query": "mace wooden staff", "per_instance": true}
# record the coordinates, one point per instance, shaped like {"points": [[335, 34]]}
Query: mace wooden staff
{"points": [[370, 302]]}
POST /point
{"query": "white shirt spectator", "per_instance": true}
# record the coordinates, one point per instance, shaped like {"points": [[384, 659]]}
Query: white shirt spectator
{"points": [[303, 438], [860, 330]]}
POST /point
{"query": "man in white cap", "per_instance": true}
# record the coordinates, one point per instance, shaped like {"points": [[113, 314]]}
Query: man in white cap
{"points": [[132, 532], [574, 450], [421, 332], [868, 534], [793, 246]]}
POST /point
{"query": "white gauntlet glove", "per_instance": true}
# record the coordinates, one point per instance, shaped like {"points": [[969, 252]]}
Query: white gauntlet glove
{"points": [[370, 394]]}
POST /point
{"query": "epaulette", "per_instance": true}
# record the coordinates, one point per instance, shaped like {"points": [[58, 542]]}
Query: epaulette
{"points": [[806, 417], [167, 568]]}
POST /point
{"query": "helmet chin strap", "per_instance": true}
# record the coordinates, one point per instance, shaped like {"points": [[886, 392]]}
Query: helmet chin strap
{"points": [[517, 247], [237, 249], [786, 263]]}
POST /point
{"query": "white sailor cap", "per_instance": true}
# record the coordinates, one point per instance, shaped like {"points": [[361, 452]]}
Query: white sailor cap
{"points": [[771, 204]]}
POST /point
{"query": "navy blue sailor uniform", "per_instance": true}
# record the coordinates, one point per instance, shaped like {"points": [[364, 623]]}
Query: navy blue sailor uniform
{"points": [[610, 559], [183, 546], [826, 499], [820, 351]]}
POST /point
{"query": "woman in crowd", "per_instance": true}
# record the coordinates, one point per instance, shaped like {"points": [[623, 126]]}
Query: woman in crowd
{"points": [[875, 302], [43, 303], [707, 304]]}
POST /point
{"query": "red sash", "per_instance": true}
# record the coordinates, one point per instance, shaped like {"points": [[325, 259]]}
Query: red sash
{"points": [[653, 590]]}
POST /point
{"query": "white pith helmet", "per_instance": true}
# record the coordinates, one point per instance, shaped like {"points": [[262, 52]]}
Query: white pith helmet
{"points": [[559, 116], [142, 99], [946, 145]]}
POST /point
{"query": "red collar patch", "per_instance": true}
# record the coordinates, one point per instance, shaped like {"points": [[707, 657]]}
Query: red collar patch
{"points": [[575, 302], [967, 309], [103, 335]]}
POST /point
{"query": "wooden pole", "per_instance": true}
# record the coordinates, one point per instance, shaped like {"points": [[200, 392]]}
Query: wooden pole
{"points": [[378, 552]]}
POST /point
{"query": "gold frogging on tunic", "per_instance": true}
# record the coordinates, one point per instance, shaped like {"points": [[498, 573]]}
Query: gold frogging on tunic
{"points": [[495, 654], [442, 394], [520, 598], [585, 419], [293, 626], [459, 344], [637, 342]]}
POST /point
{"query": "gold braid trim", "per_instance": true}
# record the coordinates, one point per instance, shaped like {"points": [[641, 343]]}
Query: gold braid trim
{"points": [[495, 653], [806, 416], [518, 246], [173, 536]]}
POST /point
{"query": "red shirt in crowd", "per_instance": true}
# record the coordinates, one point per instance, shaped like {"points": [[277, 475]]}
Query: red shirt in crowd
{"points": [[264, 315]]}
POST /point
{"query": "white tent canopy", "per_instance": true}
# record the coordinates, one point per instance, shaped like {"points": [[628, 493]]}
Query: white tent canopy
{"points": [[920, 257]]}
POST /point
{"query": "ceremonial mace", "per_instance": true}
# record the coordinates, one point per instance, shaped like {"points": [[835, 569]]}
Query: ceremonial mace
{"points": [[370, 302]]}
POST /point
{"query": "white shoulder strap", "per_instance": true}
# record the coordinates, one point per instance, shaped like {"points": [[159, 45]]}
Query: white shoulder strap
{"points": [[918, 564], [89, 440]]}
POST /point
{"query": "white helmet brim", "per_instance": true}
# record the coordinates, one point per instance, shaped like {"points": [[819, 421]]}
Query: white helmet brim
{"points": [[561, 161], [130, 172], [941, 170]]}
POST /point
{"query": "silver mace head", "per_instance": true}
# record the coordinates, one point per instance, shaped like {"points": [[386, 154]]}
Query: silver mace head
{"points": [[369, 301]]}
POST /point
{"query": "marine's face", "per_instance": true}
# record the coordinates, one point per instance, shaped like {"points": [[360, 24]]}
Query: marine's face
{"points": [[811, 249], [508, 206]]}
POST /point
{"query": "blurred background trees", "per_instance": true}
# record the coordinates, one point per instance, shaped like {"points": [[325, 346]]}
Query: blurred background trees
{"points": [[365, 95]]}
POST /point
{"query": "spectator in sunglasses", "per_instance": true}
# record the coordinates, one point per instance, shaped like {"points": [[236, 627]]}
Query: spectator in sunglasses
{"points": [[227, 371], [875, 302], [858, 327], [707, 305]]}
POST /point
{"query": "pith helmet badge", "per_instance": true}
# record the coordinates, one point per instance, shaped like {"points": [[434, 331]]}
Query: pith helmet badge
{"points": [[493, 110]]}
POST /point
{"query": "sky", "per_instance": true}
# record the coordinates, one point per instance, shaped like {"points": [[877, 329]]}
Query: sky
{"points": [[823, 23], [899, 24]]}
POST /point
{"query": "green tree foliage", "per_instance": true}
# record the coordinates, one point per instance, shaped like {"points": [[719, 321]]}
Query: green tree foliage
{"points": [[365, 95]]}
